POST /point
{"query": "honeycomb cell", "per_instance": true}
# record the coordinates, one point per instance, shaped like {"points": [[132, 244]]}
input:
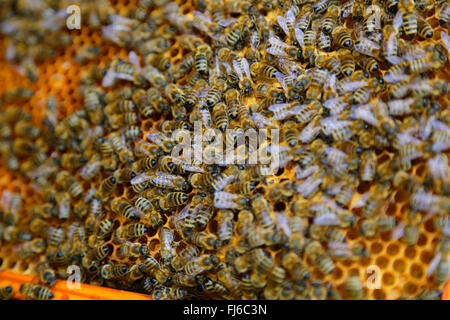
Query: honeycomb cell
{"points": [[392, 249], [382, 262], [422, 240], [388, 279], [376, 247], [426, 257], [410, 252], [416, 271], [410, 288], [399, 265], [379, 294]]}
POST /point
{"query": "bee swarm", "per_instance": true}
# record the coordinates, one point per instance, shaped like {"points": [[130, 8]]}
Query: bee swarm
{"points": [[357, 89]]}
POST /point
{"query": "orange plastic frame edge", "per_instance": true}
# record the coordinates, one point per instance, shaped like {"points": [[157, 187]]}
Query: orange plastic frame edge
{"points": [[62, 292], [90, 292]]}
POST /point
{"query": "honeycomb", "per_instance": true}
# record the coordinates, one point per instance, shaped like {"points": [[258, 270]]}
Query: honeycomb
{"points": [[403, 268]]}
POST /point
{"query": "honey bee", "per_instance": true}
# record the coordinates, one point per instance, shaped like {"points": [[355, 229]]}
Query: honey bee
{"points": [[136, 249], [184, 256], [259, 70], [204, 240], [165, 180], [201, 264], [225, 225], [134, 230], [124, 208], [16, 94], [201, 58], [443, 13], [342, 36], [282, 49], [262, 212], [295, 266], [220, 117], [6, 292], [105, 228], [330, 20], [35, 291], [124, 175], [318, 257], [173, 199], [317, 79], [144, 164], [166, 238], [150, 214], [354, 288], [142, 100]]}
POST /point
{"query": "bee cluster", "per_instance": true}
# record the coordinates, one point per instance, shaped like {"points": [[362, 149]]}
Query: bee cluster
{"points": [[357, 89]]}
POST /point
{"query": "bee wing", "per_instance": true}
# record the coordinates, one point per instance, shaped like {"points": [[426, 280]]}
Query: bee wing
{"points": [[398, 20], [348, 86], [434, 263], [330, 82], [394, 59], [438, 167], [446, 40], [415, 52], [260, 120], [332, 123], [365, 114], [279, 107], [331, 103], [347, 8], [290, 16], [305, 173], [390, 49], [224, 203], [276, 51], [364, 42], [327, 219], [109, 78], [426, 127], [117, 19], [246, 68], [64, 207], [440, 126], [309, 132], [297, 109], [238, 69], [309, 184], [404, 138], [202, 16], [192, 168], [165, 175], [134, 60], [157, 137], [182, 214], [360, 201], [283, 223], [398, 103], [254, 39], [6, 200], [281, 77], [226, 22], [300, 35], [419, 85], [398, 231], [141, 178], [338, 245], [89, 167], [393, 78], [283, 24]]}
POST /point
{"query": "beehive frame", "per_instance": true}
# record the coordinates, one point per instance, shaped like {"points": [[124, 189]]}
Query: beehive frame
{"points": [[403, 268]]}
